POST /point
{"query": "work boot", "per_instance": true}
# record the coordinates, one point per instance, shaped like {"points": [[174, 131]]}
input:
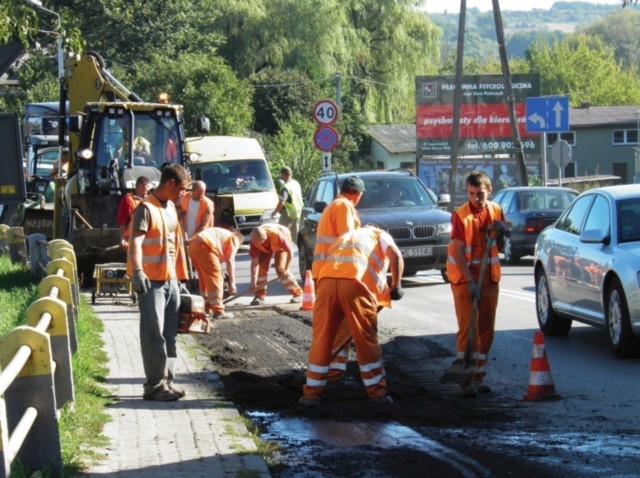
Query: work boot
{"points": [[296, 299], [177, 390], [481, 387], [223, 315], [308, 403], [257, 301], [468, 390], [162, 394]]}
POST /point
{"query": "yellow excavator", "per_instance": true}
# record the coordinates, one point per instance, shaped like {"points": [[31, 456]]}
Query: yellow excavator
{"points": [[114, 138]]}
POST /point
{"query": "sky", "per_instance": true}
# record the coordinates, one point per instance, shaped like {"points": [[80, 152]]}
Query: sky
{"points": [[453, 6]]}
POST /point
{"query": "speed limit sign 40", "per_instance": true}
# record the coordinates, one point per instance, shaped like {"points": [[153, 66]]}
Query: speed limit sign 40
{"points": [[325, 112]]}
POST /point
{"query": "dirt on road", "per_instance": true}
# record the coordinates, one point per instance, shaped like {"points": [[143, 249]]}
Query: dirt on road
{"points": [[261, 356]]}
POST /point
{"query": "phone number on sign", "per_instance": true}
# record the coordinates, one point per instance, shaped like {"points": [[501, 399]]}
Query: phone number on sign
{"points": [[493, 145]]}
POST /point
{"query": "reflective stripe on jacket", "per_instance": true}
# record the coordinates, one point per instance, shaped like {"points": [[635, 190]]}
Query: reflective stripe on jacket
{"points": [[277, 236], [338, 217], [358, 255], [465, 214]]}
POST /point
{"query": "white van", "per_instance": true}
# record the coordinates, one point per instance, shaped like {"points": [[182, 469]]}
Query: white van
{"points": [[238, 180]]}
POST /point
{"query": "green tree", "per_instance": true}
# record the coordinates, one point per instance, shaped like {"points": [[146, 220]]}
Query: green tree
{"points": [[205, 85], [582, 67], [619, 31]]}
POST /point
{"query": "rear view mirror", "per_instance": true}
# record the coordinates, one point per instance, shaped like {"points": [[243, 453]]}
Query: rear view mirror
{"points": [[319, 206]]}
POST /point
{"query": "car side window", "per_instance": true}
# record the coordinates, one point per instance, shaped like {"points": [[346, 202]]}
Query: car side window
{"points": [[325, 192], [572, 220], [599, 217]]}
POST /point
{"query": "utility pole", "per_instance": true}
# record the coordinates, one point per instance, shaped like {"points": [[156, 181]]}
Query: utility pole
{"points": [[506, 74], [457, 100]]}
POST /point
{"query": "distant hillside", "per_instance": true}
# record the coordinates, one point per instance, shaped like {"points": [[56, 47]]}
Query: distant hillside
{"points": [[521, 28]]}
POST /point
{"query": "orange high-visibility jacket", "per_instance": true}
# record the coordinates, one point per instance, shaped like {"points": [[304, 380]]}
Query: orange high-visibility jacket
{"points": [[338, 217], [202, 208], [155, 250], [466, 216], [277, 236], [220, 240], [358, 255]]}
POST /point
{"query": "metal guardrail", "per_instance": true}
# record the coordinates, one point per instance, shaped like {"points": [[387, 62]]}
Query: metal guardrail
{"points": [[36, 377]]}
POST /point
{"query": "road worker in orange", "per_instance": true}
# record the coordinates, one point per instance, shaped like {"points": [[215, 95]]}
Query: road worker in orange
{"points": [[126, 207], [207, 250], [196, 209], [470, 223], [156, 263], [269, 240], [338, 217], [352, 285]]}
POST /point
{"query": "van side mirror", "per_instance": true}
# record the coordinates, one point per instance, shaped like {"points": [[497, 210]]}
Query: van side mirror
{"points": [[203, 125], [319, 206], [444, 199]]}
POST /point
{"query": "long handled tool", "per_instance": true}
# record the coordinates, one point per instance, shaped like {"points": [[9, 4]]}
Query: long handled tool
{"points": [[461, 370], [192, 282], [235, 296]]}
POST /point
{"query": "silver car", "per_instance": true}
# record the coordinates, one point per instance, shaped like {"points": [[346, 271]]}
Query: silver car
{"points": [[587, 267]]}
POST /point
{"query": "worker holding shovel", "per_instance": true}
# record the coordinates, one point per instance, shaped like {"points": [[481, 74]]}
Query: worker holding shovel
{"points": [[473, 268]]}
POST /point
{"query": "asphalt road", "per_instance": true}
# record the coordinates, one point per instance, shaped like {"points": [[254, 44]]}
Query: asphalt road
{"points": [[592, 430]]}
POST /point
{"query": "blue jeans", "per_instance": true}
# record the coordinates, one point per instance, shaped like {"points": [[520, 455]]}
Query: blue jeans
{"points": [[159, 317]]}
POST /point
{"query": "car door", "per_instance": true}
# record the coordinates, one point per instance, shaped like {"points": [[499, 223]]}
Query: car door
{"points": [[322, 192], [589, 260], [562, 247]]}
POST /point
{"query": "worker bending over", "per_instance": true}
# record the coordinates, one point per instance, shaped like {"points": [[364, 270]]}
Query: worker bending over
{"points": [[270, 240], [208, 250], [352, 284]]}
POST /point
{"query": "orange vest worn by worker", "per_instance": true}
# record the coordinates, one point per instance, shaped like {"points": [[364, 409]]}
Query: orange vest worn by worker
{"points": [[156, 261], [203, 205], [212, 241], [473, 255], [356, 255], [338, 217]]}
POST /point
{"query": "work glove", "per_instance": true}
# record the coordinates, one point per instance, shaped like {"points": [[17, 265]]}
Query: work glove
{"points": [[500, 229], [474, 291], [397, 293], [141, 283]]}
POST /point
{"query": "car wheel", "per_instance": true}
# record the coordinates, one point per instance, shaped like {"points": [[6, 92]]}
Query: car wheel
{"points": [[624, 342], [548, 320], [509, 256], [445, 276], [304, 260]]}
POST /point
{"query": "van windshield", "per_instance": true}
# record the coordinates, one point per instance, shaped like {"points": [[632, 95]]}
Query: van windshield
{"points": [[250, 175]]}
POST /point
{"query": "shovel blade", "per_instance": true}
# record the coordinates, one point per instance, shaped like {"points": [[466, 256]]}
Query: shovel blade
{"points": [[460, 372]]}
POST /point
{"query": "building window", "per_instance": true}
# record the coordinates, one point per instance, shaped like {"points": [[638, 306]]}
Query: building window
{"points": [[569, 137], [407, 165], [379, 165], [625, 136]]}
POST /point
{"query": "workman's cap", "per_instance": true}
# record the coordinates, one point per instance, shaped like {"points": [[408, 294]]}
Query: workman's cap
{"points": [[352, 184]]}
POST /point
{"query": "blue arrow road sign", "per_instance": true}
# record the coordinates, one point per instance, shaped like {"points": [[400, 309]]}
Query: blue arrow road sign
{"points": [[548, 114]]}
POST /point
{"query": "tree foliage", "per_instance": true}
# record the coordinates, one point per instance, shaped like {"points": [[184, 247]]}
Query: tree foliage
{"points": [[619, 30], [583, 68]]}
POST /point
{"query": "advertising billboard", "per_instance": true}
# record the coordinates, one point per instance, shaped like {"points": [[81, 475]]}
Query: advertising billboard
{"points": [[485, 124]]}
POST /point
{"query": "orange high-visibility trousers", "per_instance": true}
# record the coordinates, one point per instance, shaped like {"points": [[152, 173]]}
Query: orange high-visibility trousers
{"points": [[210, 277], [483, 337], [338, 301], [286, 278]]}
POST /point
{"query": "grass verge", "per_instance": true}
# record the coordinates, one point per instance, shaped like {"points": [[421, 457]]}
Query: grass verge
{"points": [[81, 422]]}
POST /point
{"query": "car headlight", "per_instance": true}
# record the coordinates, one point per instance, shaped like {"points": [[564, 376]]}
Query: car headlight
{"points": [[444, 228]]}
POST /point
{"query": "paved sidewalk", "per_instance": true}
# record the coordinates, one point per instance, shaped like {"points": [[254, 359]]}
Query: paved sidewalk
{"points": [[200, 435]]}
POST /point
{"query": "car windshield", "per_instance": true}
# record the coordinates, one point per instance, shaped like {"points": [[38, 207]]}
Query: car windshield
{"points": [[394, 193], [629, 220], [554, 200], [249, 175]]}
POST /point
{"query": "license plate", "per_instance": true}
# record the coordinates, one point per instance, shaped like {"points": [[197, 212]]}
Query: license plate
{"points": [[416, 251]]}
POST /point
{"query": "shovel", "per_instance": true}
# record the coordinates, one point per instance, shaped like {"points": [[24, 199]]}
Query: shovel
{"points": [[461, 370], [235, 296]]}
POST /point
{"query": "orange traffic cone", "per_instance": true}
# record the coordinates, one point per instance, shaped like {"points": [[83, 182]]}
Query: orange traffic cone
{"points": [[309, 292], [541, 385]]}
